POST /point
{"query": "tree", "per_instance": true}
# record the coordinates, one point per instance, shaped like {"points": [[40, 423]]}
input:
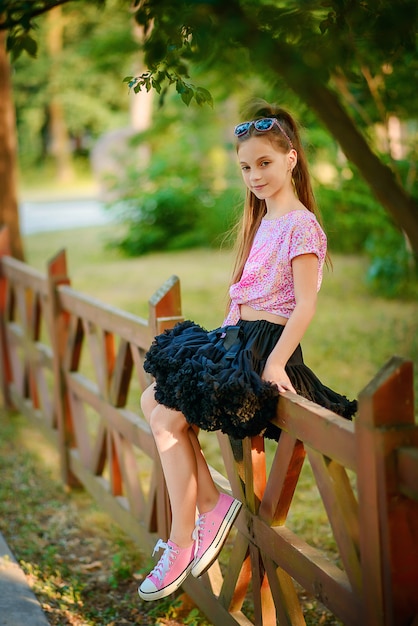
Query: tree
{"points": [[72, 92], [13, 19], [58, 128], [51, 94], [9, 214], [16, 24], [330, 54]]}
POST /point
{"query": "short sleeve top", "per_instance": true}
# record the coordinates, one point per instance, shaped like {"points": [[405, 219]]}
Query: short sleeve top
{"points": [[266, 283]]}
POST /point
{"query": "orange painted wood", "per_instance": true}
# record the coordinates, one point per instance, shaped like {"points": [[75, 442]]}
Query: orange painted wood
{"points": [[388, 519], [235, 585], [318, 428], [288, 608], [242, 583], [257, 576], [282, 480], [307, 565], [122, 374], [407, 468], [165, 304], [59, 322], [342, 508], [254, 471], [96, 355]]}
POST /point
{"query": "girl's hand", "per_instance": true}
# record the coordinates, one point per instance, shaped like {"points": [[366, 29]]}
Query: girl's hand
{"points": [[276, 374]]}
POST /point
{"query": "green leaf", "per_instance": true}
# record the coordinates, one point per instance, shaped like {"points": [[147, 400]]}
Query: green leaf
{"points": [[156, 85], [203, 95], [31, 46], [180, 86], [187, 96]]}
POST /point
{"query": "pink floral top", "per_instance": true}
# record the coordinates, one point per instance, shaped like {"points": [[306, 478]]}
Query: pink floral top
{"points": [[266, 283]]}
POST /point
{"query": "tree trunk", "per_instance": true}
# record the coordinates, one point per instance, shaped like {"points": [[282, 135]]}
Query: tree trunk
{"points": [[380, 178], [306, 83], [59, 139], [9, 211]]}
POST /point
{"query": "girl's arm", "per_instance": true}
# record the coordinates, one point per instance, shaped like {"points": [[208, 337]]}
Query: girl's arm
{"points": [[305, 277]]}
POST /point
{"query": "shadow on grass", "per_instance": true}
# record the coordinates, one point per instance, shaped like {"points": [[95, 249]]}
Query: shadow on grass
{"points": [[81, 567]]}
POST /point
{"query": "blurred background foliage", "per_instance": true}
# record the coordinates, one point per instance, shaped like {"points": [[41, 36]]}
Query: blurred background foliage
{"points": [[79, 66], [173, 182]]}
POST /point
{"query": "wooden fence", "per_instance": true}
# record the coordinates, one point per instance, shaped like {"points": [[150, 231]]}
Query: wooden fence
{"points": [[72, 365]]}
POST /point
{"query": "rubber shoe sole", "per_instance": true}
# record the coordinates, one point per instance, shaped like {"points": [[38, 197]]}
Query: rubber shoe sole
{"points": [[207, 559], [165, 591]]}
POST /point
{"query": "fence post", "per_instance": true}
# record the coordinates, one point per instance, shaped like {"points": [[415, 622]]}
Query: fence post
{"points": [[165, 306], [57, 275], [5, 368], [388, 519]]}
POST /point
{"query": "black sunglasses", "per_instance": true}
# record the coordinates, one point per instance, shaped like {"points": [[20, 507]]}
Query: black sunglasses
{"points": [[262, 125]]}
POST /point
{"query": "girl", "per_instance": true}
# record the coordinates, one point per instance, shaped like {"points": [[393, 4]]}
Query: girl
{"points": [[230, 378]]}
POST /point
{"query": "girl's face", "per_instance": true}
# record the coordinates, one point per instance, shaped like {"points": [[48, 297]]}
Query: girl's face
{"points": [[266, 171]]}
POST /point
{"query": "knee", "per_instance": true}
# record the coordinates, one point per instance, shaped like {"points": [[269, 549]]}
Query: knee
{"points": [[148, 402], [164, 420]]}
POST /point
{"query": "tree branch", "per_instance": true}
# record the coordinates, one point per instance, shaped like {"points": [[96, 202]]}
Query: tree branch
{"points": [[379, 177], [286, 60], [8, 22]]}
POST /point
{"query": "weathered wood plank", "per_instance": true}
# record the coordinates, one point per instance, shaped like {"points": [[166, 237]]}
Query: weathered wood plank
{"points": [[211, 607], [21, 274], [130, 473], [131, 327], [117, 508], [254, 469], [388, 520], [407, 464], [318, 428], [235, 585], [342, 509], [283, 479], [121, 375], [129, 424], [305, 564], [288, 609]]}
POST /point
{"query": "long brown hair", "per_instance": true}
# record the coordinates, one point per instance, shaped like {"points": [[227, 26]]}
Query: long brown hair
{"points": [[255, 209]]}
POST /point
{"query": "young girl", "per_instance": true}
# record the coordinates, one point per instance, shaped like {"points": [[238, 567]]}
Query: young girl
{"points": [[230, 378]]}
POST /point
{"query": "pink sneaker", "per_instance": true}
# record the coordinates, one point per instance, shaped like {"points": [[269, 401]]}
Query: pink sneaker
{"points": [[213, 528], [169, 573]]}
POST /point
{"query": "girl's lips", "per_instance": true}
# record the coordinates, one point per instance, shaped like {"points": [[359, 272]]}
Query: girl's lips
{"points": [[258, 187]]}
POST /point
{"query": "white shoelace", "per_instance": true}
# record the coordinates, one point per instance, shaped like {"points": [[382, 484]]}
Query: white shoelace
{"points": [[166, 560], [198, 531]]}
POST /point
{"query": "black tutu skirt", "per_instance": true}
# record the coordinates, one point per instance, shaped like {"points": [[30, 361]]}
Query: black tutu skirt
{"points": [[214, 378]]}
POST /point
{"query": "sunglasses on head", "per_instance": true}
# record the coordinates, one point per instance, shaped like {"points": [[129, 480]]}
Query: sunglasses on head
{"points": [[262, 125]]}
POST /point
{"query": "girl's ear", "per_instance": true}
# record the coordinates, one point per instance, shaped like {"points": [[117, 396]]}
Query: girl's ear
{"points": [[292, 159]]}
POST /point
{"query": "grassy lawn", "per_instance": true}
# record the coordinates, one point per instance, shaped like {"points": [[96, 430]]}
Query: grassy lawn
{"points": [[83, 569], [353, 334]]}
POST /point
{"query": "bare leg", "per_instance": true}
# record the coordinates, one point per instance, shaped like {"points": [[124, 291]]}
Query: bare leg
{"points": [[185, 470], [207, 492]]}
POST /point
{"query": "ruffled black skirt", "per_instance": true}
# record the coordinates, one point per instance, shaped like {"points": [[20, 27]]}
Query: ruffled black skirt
{"points": [[214, 378]]}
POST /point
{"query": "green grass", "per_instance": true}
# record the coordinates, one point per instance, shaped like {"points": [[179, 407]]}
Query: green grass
{"points": [[82, 568], [352, 336]]}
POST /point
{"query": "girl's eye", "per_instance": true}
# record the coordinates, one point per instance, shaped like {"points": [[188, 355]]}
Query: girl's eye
{"points": [[265, 163], [245, 168]]}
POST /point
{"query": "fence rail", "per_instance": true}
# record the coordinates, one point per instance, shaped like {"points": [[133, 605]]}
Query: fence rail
{"points": [[74, 367]]}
